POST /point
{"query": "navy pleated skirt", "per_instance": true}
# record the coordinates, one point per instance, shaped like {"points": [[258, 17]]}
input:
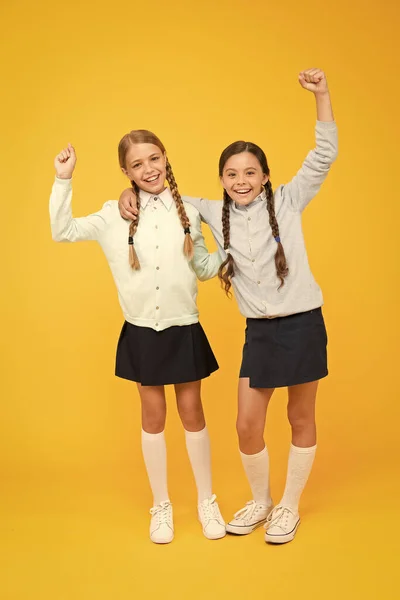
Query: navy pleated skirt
{"points": [[178, 354], [285, 351]]}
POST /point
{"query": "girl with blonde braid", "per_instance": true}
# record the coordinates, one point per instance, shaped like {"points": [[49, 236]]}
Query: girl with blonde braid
{"points": [[154, 261], [260, 239]]}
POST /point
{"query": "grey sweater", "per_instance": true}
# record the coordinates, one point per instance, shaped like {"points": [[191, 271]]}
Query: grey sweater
{"points": [[253, 247]]}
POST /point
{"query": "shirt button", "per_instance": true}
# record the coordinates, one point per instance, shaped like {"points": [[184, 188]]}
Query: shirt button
{"points": [[158, 268], [157, 308], [249, 218], [155, 198], [156, 324], [156, 226], [258, 282], [156, 247], [253, 260], [157, 288]]}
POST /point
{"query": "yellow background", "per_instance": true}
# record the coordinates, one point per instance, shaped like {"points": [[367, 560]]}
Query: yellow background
{"points": [[74, 496]]}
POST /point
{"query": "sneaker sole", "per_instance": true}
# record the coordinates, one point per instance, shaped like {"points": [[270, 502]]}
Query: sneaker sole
{"points": [[214, 537], [282, 539], [242, 529], [162, 541]]}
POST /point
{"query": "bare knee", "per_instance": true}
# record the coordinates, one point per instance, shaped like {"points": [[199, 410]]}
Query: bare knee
{"points": [[190, 408], [153, 425], [246, 429], [301, 421], [153, 419], [192, 417]]}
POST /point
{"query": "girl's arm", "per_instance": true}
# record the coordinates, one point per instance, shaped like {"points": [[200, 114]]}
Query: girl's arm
{"points": [[307, 182], [205, 265], [64, 227], [204, 207], [128, 210]]}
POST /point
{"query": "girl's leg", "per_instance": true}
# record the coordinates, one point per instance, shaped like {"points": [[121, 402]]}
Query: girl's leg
{"points": [[154, 412], [198, 447], [197, 439], [301, 413], [252, 410]]}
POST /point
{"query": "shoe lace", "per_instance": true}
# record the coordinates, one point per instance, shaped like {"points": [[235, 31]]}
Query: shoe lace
{"points": [[247, 511], [210, 508], [161, 512], [279, 516]]}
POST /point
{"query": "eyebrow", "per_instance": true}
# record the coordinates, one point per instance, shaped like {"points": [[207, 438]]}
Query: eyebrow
{"points": [[245, 169]]}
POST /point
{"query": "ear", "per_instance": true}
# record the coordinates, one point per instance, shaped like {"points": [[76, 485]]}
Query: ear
{"points": [[125, 172], [221, 180], [265, 179]]}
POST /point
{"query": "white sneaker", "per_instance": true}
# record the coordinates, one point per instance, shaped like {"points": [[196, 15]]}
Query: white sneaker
{"points": [[281, 525], [248, 518], [161, 524], [211, 519]]}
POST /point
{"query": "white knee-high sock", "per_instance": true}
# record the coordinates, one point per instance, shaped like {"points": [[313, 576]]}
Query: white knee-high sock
{"points": [[155, 458], [256, 467], [198, 448], [299, 468]]}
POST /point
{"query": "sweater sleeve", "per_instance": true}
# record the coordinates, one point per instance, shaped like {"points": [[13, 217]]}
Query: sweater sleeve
{"points": [[205, 265], [66, 228], [308, 180], [203, 206]]}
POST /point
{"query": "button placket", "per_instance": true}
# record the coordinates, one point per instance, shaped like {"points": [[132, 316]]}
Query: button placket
{"points": [[253, 260], [157, 269]]}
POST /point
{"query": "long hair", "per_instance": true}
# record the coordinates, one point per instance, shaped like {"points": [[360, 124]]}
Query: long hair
{"points": [[227, 269], [143, 136]]}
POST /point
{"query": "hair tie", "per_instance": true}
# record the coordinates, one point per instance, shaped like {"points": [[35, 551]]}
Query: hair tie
{"points": [[130, 240], [277, 239], [227, 250], [186, 230]]}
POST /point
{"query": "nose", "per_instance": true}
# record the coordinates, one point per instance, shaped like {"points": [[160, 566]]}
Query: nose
{"points": [[148, 168]]}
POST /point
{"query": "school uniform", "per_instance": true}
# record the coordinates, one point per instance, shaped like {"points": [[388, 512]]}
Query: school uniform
{"points": [[162, 341], [285, 338]]}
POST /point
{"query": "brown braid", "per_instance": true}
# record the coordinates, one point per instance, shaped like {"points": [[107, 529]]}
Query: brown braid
{"points": [[280, 258], [188, 247], [226, 270], [133, 257]]}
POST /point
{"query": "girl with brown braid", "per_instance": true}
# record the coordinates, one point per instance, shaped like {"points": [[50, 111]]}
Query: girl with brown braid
{"points": [[260, 238], [226, 270], [155, 262]]}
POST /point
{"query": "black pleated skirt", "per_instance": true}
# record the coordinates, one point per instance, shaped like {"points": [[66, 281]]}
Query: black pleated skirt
{"points": [[285, 351], [178, 354]]}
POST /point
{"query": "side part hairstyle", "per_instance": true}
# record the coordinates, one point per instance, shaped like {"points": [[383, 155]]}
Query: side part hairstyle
{"points": [[227, 270], [142, 136]]}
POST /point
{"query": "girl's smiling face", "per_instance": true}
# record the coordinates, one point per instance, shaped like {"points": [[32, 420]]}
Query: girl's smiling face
{"points": [[145, 164], [243, 178]]}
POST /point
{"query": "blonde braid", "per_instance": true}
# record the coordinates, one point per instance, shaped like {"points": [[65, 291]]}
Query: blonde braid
{"points": [[133, 257], [188, 247]]}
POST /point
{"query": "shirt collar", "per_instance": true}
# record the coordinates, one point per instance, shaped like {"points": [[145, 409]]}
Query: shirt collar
{"points": [[165, 197], [257, 200]]}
